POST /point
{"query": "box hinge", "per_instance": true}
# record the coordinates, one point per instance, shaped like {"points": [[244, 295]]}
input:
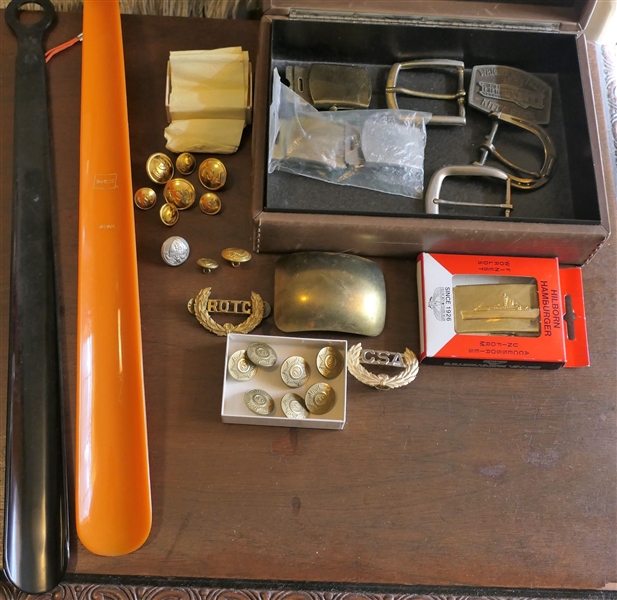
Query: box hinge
{"points": [[540, 27]]}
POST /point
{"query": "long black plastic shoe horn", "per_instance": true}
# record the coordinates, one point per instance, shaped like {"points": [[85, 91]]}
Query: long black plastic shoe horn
{"points": [[36, 515]]}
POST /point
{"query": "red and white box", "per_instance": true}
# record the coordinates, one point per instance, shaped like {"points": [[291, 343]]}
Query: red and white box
{"points": [[466, 303]]}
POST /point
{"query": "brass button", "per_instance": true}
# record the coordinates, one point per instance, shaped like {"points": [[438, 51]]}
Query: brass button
{"points": [[240, 368], [212, 174], [180, 193], [259, 401], [261, 354], [185, 163], [160, 168], [236, 256], [292, 406], [330, 362], [320, 398], [210, 203], [207, 264], [145, 198], [295, 372], [169, 214], [175, 250]]}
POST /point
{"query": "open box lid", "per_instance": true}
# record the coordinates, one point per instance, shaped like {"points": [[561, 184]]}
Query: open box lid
{"points": [[556, 16]]}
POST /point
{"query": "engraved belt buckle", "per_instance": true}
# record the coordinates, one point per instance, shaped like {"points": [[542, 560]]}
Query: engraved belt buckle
{"points": [[392, 89], [502, 89], [202, 305], [356, 357], [331, 87], [533, 179], [432, 199]]}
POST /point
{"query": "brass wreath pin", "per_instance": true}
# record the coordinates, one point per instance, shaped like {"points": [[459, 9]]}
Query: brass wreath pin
{"points": [[407, 360], [201, 306]]}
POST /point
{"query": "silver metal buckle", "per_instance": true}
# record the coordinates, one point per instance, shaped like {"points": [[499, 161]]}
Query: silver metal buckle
{"points": [[432, 199], [501, 89], [534, 179], [433, 63]]}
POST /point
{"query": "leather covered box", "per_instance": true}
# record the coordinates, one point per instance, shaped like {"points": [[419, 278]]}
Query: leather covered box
{"points": [[566, 218]]}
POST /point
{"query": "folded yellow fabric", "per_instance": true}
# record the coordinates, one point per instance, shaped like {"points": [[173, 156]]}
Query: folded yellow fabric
{"points": [[207, 104], [217, 136], [208, 99]]}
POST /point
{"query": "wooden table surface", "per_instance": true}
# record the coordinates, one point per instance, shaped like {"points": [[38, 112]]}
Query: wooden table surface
{"points": [[467, 477]]}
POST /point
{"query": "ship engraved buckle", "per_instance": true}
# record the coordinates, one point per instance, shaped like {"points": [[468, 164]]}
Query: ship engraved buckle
{"points": [[392, 89], [356, 357], [432, 199], [523, 179], [201, 306]]}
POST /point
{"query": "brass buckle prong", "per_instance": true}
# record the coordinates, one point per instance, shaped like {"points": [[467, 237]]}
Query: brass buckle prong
{"points": [[534, 179], [432, 199], [392, 89]]}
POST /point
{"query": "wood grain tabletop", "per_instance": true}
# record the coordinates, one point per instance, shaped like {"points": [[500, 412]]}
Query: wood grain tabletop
{"points": [[467, 477]]}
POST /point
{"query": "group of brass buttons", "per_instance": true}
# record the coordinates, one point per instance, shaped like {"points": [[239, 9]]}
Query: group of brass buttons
{"points": [[179, 193], [234, 256], [295, 372]]}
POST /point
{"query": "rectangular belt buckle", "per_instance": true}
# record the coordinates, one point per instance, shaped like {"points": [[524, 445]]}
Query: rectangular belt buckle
{"points": [[331, 87], [434, 63]]}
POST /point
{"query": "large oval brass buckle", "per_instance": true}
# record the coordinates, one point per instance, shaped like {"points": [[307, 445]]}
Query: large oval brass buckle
{"points": [[202, 305], [407, 360]]}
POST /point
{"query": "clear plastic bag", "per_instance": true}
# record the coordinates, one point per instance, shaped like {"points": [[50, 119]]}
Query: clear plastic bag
{"points": [[380, 150]]}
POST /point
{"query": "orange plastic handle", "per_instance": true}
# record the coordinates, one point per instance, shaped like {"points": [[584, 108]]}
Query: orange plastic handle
{"points": [[113, 503]]}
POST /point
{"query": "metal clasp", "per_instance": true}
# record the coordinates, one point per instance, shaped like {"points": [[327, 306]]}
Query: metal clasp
{"points": [[432, 199], [331, 87], [433, 63], [534, 179]]}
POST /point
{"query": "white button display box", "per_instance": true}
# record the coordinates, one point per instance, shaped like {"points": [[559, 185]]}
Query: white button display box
{"points": [[233, 407]]}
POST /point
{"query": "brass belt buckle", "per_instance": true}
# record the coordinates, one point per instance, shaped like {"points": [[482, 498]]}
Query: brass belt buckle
{"points": [[533, 179], [432, 199], [392, 89], [202, 305], [356, 357], [331, 87]]}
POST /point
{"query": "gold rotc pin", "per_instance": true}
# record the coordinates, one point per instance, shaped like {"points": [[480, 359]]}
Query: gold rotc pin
{"points": [[239, 367], [330, 362], [160, 168], [292, 406], [259, 401], [320, 399], [261, 354], [498, 309], [185, 163], [180, 193], [202, 305], [145, 198], [212, 174], [295, 372], [407, 361]]}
